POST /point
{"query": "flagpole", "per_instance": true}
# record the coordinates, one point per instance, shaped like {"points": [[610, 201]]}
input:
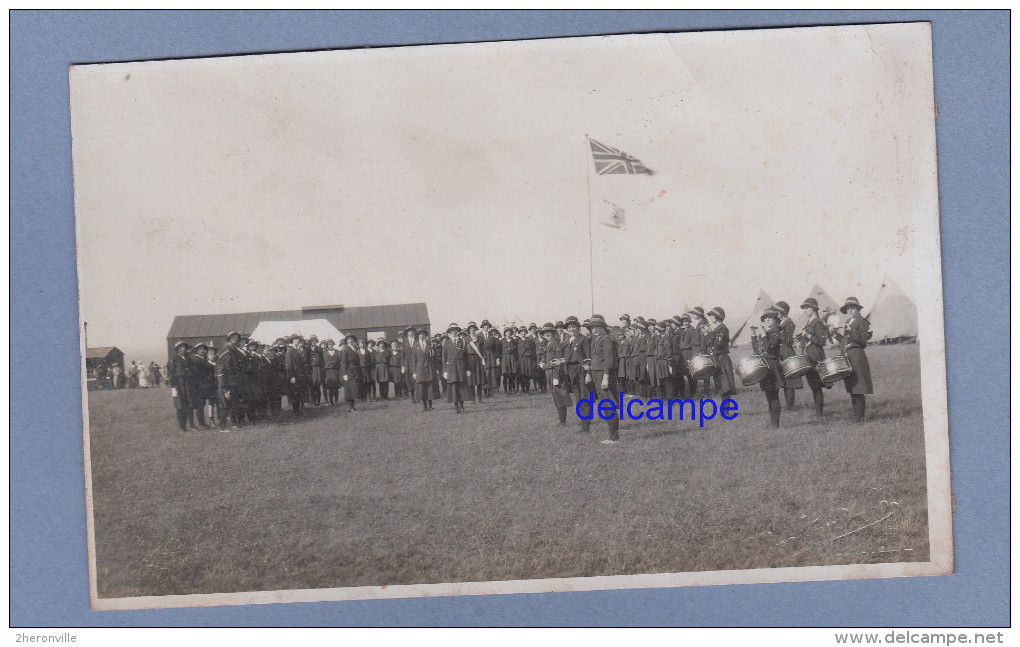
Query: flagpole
{"points": [[591, 253]]}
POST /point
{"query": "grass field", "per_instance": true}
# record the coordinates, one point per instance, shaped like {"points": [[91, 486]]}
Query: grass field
{"points": [[392, 495]]}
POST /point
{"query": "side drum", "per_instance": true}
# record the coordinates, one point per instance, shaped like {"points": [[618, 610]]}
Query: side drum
{"points": [[752, 369], [796, 366], [703, 366], [835, 369]]}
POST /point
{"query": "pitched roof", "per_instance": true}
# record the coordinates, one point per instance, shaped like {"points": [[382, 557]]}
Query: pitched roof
{"points": [[369, 317], [99, 352]]}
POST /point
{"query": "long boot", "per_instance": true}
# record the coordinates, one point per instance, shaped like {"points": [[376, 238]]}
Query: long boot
{"points": [[858, 404], [791, 395], [819, 402]]}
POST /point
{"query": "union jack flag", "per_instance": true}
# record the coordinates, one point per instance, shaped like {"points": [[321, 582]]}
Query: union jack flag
{"points": [[611, 161]]}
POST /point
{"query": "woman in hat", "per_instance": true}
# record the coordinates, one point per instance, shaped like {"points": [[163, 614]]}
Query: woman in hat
{"points": [[203, 384], [178, 376], [812, 336], [366, 386], [393, 362], [552, 362], [423, 369], [475, 379], [719, 348], [331, 367], [854, 339], [766, 344], [492, 350], [508, 360], [525, 358], [455, 366], [787, 329], [380, 368], [699, 345], [623, 337], [350, 361]]}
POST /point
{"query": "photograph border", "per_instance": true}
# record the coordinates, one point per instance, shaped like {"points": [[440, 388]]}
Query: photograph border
{"points": [[35, 513]]}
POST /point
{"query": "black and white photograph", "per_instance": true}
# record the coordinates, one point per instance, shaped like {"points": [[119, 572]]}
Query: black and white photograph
{"points": [[609, 312]]}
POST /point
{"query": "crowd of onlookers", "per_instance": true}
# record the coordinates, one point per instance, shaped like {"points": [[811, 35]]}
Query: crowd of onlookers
{"points": [[135, 376]]}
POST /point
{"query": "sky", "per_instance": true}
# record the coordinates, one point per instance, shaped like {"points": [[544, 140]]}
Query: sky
{"points": [[460, 175]]}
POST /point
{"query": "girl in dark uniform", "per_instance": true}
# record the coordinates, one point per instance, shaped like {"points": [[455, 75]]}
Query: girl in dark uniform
{"points": [[475, 363], [380, 370], [813, 335], [855, 336], [331, 370], [719, 348], [455, 366], [508, 360], [393, 358], [767, 345], [365, 365], [786, 333]]}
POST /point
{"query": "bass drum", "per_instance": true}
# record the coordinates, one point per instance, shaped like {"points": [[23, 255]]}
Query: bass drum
{"points": [[752, 369], [703, 366], [796, 366], [835, 369]]}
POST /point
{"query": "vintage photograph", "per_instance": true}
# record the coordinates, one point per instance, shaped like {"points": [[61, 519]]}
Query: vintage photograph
{"points": [[568, 314]]}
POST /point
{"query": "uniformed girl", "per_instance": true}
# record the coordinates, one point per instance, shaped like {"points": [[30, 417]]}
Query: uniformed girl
{"points": [[787, 329], [812, 337], [331, 371], [719, 348], [455, 366], [475, 380], [508, 360], [766, 344], [855, 335], [380, 368]]}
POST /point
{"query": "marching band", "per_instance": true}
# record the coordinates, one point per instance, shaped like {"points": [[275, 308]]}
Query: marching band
{"points": [[685, 356]]}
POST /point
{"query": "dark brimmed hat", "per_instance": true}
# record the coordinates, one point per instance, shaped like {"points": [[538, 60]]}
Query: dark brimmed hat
{"points": [[851, 302], [313, 338], [328, 342], [401, 333], [571, 321], [252, 342], [232, 333], [810, 302], [586, 323], [771, 312], [559, 324], [181, 343], [486, 324], [675, 319], [508, 329], [651, 322], [684, 318], [639, 325], [293, 338], [625, 317], [350, 335], [452, 328], [422, 333], [200, 344], [597, 321], [782, 306], [532, 326], [548, 327], [409, 329], [698, 311], [718, 313], [471, 325]]}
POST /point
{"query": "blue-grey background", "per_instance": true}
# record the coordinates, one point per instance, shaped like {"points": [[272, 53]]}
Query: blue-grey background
{"points": [[48, 575]]}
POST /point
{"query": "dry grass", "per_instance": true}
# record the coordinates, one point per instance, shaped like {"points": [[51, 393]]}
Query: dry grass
{"points": [[391, 495]]}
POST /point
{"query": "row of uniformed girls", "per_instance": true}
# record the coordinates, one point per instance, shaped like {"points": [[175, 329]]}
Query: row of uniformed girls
{"points": [[781, 338]]}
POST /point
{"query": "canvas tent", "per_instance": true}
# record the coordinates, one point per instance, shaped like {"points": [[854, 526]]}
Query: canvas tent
{"points": [[893, 316], [266, 332], [753, 319]]}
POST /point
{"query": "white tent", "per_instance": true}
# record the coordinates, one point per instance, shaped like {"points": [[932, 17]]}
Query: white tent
{"points": [[267, 332], [894, 315], [753, 319]]}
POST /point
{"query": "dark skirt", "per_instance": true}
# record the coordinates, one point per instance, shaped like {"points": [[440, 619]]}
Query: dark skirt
{"points": [[382, 372], [725, 374], [331, 378], [474, 366], [316, 376], [860, 382], [508, 364], [527, 366], [774, 379]]}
